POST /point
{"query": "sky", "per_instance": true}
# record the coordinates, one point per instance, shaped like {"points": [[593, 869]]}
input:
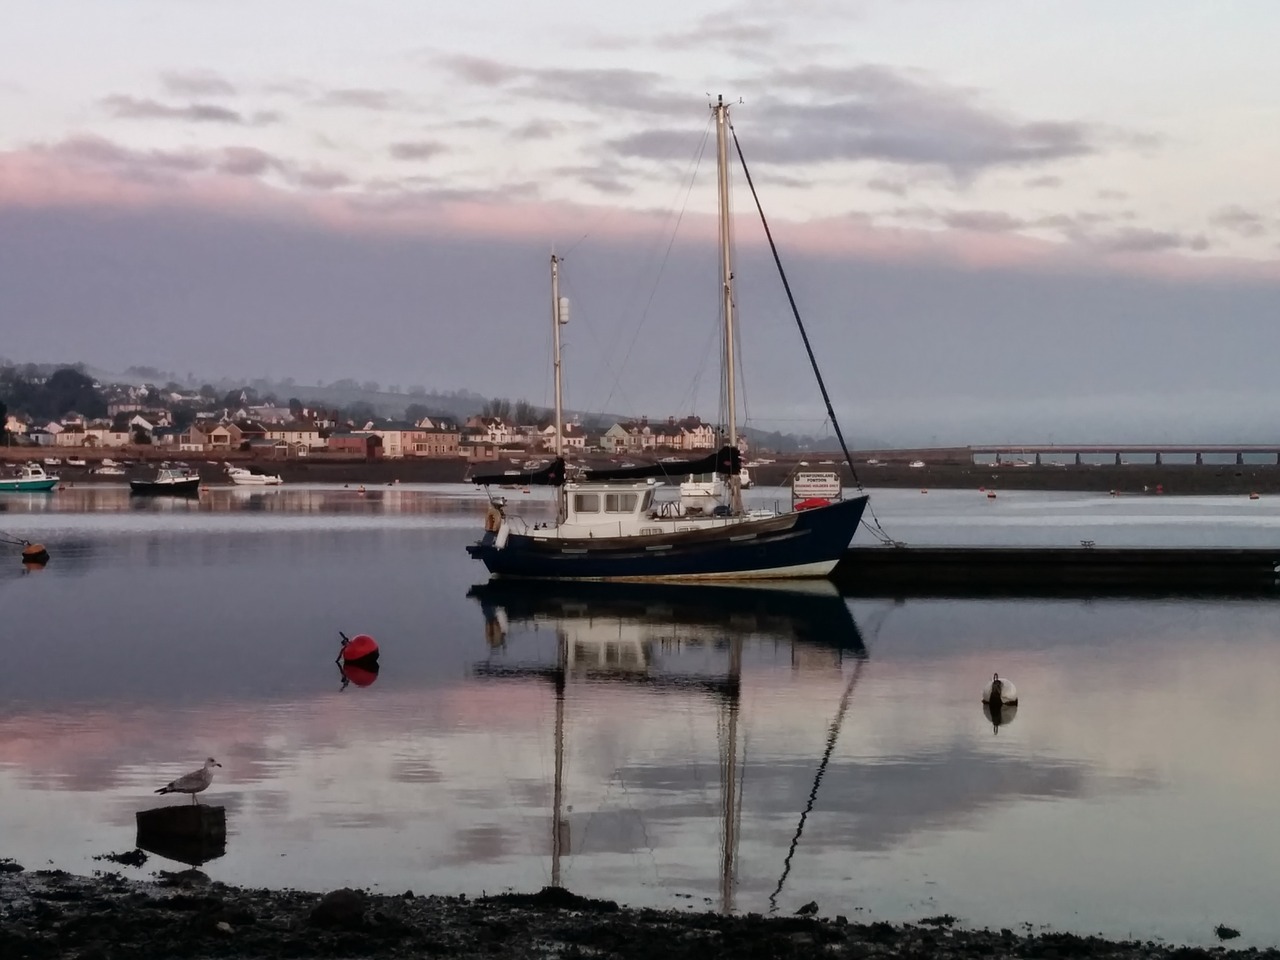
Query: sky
{"points": [[1002, 222]]}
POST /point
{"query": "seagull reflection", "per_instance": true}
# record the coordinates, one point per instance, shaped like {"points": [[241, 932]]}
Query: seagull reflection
{"points": [[613, 632]]}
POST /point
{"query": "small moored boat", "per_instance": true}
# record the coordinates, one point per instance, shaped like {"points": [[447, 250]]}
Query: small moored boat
{"points": [[168, 480], [30, 478], [252, 476]]}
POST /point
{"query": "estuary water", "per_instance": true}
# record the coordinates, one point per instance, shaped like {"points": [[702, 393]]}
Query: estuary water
{"points": [[690, 747]]}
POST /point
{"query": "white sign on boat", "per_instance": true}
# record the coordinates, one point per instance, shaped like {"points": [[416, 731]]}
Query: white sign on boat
{"points": [[825, 484]]}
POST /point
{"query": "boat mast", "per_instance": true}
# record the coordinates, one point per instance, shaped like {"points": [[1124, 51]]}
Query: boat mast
{"points": [[559, 315], [721, 110]]}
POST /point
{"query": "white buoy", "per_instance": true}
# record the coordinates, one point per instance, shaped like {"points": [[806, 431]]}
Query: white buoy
{"points": [[1000, 691]]}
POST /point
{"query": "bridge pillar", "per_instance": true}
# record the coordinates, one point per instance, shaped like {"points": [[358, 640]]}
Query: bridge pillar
{"points": [[1158, 460], [1078, 459], [1117, 459], [1037, 459], [1200, 459], [1239, 459]]}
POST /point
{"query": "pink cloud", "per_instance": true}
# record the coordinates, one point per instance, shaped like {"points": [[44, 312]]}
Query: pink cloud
{"points": [[96, 174]]}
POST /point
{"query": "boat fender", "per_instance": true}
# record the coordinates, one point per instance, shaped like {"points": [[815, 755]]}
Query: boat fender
{"points": [[812, 502], [500, 540], [492, 519]]}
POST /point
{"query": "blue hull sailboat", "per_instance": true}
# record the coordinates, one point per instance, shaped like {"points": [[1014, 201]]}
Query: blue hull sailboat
{"points": [[610, 523]]}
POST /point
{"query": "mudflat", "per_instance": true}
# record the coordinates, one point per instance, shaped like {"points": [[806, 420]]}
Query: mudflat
{"points": [[50, 913]]}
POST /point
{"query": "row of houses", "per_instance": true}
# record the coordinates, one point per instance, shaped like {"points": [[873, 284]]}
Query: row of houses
{"points": [[477, 438]]}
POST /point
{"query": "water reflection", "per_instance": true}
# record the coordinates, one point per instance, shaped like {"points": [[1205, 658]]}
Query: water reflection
{"points": [[618, 633]]}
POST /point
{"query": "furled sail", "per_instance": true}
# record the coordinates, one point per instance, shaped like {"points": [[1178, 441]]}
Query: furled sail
{"points": [[726, 461], [549, 476]]}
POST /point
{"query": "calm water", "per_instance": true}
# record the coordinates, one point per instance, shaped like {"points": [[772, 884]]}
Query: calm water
{"points": [[718, 747]]}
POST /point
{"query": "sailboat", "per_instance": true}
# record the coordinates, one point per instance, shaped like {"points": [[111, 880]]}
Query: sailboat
{"points": [[610, 524]]}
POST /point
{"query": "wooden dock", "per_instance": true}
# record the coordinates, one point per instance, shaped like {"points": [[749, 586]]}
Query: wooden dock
{"points": [[909, 571]]}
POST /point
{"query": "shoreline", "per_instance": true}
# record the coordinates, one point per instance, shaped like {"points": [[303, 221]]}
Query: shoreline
{"points": [[1154, 479], [48, 913]]}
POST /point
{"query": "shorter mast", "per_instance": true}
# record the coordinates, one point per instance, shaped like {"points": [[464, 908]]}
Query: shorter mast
{"points": [[559, 315]]}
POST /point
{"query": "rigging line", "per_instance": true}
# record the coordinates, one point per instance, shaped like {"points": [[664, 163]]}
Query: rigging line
{"points": [[795, 311], [833, 733], [695, 163]]}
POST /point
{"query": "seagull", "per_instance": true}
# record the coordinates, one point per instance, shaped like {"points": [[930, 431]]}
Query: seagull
{"points": [[193, 782]]}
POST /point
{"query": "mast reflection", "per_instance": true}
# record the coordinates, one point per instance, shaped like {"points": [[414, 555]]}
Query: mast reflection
{"points": [[617, 633]]}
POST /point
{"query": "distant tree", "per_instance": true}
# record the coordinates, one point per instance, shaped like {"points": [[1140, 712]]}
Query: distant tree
{"points": [[120, 422], [295, 407], [497, 407], [417, 390], [183, 415], [4, 419], [371, 386], [68, 389], [526, 413], [140, 437], [206, 390], [416, 411], [173, 386], [361, 412]]}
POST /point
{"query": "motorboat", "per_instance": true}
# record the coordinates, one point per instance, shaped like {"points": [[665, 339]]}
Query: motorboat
{"points": [[30, 478], [171, 480], [252, 476]]}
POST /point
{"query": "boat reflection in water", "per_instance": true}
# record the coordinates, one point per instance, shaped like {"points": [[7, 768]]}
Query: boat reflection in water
{"points": [[617, 633]]}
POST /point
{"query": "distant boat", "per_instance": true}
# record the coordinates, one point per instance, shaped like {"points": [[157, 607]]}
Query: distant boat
{"points": [[181, 481], [30, 478], [252, 476]]}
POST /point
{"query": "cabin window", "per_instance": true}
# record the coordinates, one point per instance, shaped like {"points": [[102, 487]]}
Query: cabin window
{"points": [[586, 503], [619, 502]]}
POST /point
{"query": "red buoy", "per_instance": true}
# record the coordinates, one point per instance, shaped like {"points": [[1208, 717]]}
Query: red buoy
{"points": [[361, 647]]}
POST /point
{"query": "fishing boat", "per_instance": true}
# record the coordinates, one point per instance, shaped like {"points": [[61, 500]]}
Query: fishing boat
{"points": [[252, 476], [610, 524], [30, 478], [170, 480]]}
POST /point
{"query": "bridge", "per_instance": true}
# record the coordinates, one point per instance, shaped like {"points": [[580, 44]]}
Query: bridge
{"points": [[1119, 451]]}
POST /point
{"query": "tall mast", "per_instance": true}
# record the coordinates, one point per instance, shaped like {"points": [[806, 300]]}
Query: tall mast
{"points": [[726, 282], [556, 320]]}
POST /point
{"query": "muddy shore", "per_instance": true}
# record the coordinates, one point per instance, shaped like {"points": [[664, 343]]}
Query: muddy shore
{"points": [[49, 913]]}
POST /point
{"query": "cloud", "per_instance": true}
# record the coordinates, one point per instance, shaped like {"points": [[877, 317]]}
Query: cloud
{"points": [[1240, 221], [983, 221], [417, 150], [196, 83], [1144, 240], [881, 185], [1045, 182], [363, 99], [538, 130], [600, 90], [883, 113], [134, 108]]}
